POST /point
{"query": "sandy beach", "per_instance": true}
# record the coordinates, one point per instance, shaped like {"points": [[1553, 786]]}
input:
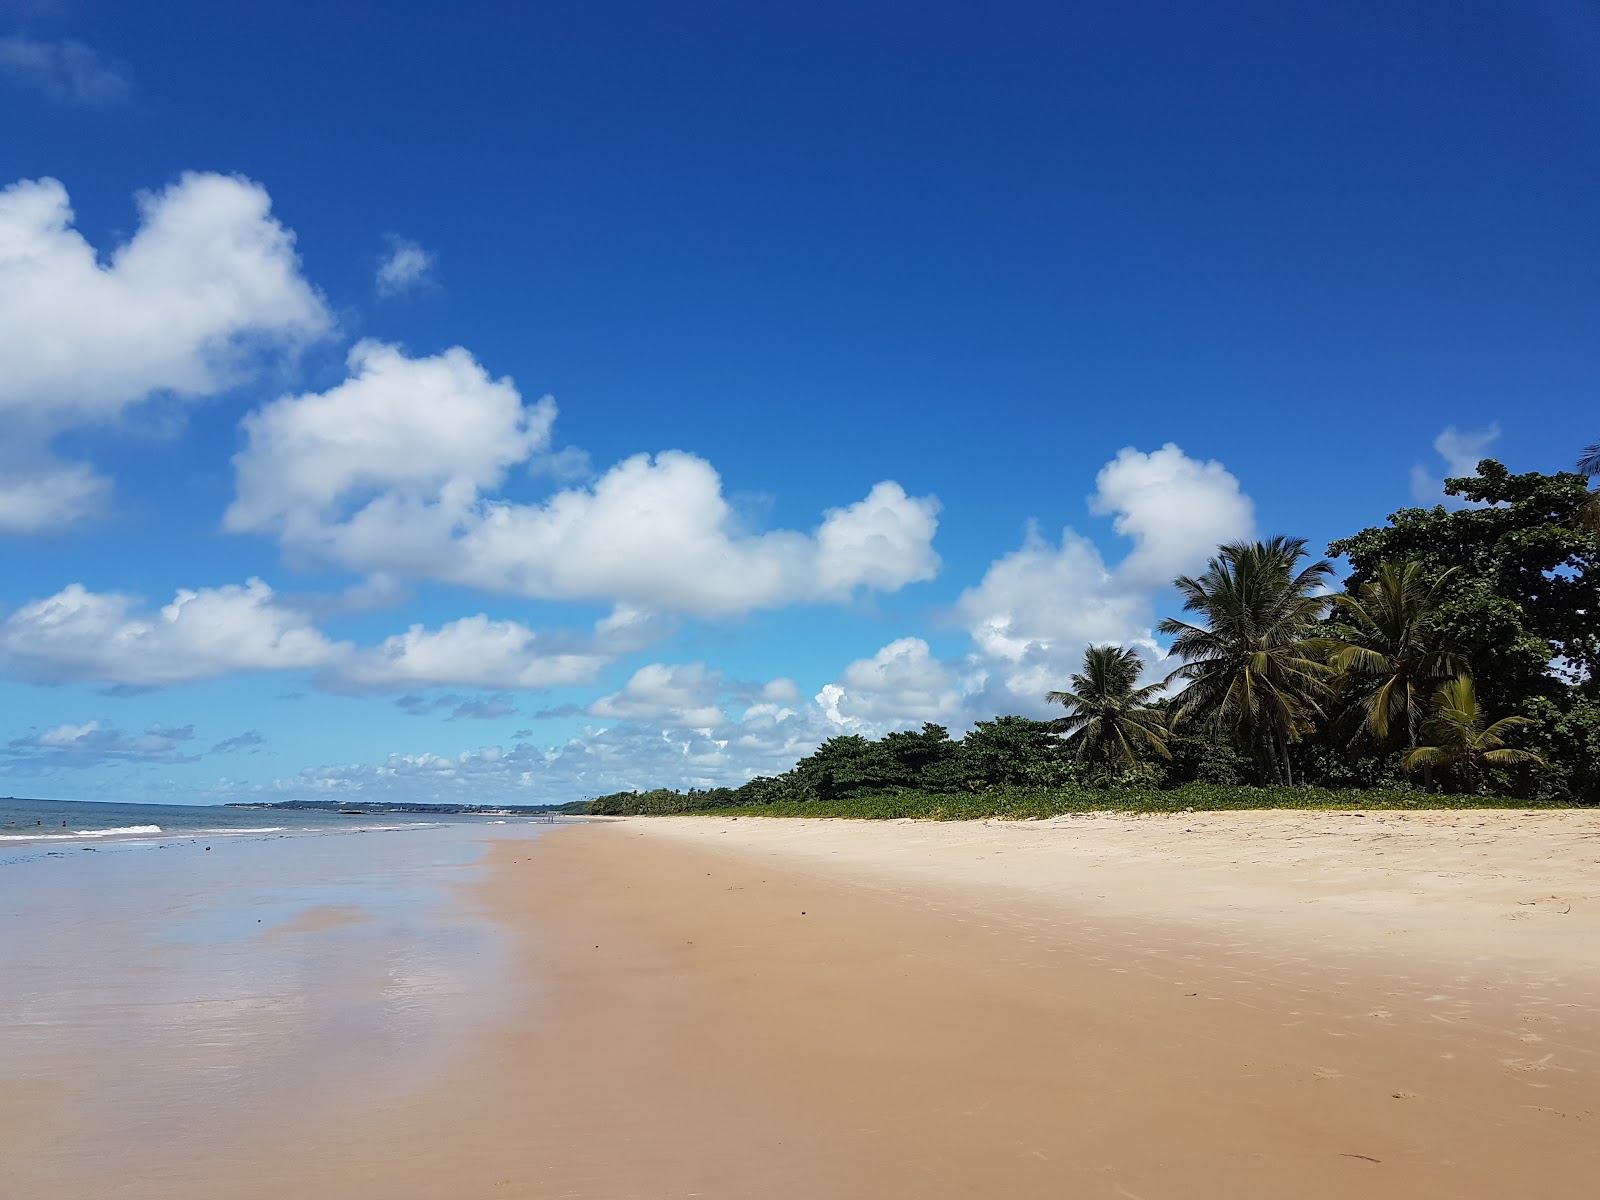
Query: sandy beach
{"points": [[1197, 1006]]}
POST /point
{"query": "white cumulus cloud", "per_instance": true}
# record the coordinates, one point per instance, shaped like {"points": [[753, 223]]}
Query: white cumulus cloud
{"points": [[209, 280], [106, 637], [402, 441], [902, 684], [683, 696], [397, 470], [78, 635], [474, 652], [1169, 504]]}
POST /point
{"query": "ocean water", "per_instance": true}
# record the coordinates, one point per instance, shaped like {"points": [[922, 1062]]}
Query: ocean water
{"points": [[28, 825], [180, 982]]}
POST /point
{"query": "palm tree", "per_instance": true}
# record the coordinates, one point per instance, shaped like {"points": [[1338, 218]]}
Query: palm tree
{"points": [[1589, 464], [1110, 719], [1458, 734], [1393, 655], [1250, 669]]}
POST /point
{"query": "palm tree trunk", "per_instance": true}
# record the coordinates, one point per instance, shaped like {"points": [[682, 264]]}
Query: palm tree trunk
{"points": [[1288, 767], [1267, 756]]}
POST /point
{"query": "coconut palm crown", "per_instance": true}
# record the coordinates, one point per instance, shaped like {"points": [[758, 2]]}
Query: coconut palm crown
{"points": [[1459, 734], [1392, 655], [1589, 464], [1109, 719], [1250, 668]]}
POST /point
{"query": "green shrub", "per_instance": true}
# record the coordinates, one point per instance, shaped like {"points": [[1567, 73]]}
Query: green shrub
{"points": [[1025, 803]]}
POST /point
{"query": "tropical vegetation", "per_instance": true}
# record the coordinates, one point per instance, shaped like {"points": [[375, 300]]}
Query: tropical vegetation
{"points": [[1112, 722], [1457, 664]]}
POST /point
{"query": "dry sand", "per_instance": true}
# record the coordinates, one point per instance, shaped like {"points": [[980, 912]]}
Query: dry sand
{"points": [[1202, 1006]]}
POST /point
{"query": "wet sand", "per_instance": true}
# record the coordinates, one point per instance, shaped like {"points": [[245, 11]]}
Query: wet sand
{"points": [[1214, 1005]]}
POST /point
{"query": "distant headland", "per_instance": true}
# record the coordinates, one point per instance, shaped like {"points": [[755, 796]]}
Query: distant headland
{"points": [[364, 807]]}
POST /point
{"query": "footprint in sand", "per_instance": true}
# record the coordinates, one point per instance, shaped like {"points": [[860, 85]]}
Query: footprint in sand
{"points": [[1328, 1073]]}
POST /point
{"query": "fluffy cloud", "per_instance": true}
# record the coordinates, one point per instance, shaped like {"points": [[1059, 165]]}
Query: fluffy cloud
{"points": [[902, 684], [209, 281], [682, 696], [1170, 505], [1461, 452], [473, 652], [209, 275], [66, 71], [92, 744], [402, 435], [405, 267], [79, 635], [394, 471]]}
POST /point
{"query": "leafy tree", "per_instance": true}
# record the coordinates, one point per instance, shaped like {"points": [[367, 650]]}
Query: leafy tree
{"points": [[1110, 722], [1460, 735], [1249, 668], [1526, 593], [1391, 654], [1203, 758], [1004, 752], [764, 789], [846, 766], [1568, 738], [915, 752]]}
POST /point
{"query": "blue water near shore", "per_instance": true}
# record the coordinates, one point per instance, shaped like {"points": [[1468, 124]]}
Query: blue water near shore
{"points": [[28, 827], [175, 993]]}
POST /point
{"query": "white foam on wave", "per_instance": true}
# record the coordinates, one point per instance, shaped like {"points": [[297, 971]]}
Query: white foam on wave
{"points": [[79, 834], [119, 831], [243, 829]]}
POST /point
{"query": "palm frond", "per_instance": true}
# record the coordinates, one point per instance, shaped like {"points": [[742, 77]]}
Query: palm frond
{"points": [[1425, 756], [1513, 758]]}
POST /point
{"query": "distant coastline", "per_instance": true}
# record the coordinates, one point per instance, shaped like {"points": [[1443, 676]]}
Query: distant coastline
{"points": [[368, 807]]}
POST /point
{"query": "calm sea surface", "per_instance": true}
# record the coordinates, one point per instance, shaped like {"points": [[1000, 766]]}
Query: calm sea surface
{"points": [[181, 981]]}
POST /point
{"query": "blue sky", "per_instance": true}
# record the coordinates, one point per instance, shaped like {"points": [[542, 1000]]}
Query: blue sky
{"points": [[896, 353]]}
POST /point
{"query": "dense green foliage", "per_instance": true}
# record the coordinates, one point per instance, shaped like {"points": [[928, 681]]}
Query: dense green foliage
{"points": [[1459, 667]]}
